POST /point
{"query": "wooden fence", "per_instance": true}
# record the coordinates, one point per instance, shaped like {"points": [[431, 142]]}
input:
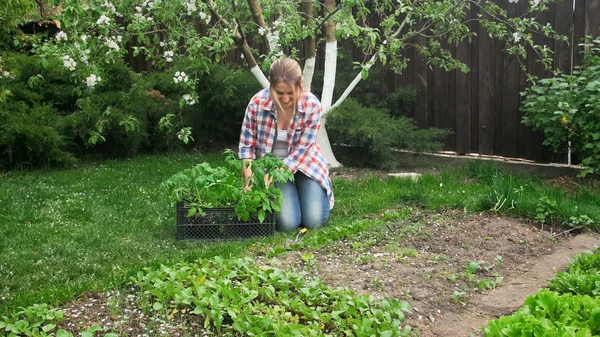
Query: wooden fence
{"points": [[482, 106]]}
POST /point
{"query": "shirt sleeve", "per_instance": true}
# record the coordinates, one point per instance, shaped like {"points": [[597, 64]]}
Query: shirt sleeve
{"points": [[247, 144], [308, 137]]}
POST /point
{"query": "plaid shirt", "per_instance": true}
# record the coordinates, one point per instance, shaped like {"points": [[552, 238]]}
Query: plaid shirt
{"points": [[259, 131]]}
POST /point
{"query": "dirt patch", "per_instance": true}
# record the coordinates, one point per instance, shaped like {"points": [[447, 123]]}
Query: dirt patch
{"points": [[444, 265]]}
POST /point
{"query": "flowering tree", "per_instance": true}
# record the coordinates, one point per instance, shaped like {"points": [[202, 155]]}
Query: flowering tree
{"points": [[98, 31]]}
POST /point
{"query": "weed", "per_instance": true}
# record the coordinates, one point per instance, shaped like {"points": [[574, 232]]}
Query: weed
{"points": [[460, 297], [407, 252], [366, 258], [545, 210]]}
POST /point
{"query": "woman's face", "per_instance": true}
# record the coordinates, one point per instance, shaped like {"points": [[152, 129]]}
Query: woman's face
{"points": [[285, 94]]}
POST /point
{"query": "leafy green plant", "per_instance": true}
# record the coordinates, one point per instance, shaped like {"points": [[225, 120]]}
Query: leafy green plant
{"points": [[580, 221], [204, 186], [545, 210], [36, 320], [549, 314], [236, 296], [583, 276], [460, 297], [565, 109]]}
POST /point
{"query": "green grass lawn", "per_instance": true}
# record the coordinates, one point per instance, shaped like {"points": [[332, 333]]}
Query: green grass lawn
{"points": [[64, 232]]}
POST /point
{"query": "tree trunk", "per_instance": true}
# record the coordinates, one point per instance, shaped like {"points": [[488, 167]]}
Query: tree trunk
{"points": [[310, 49], [328, 85]]}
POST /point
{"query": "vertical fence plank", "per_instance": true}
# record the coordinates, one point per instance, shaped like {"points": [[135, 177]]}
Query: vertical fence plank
{"points": [[449, 106], [421, 82], [486, 92], [578, 30], [592, 17], [474, 66], [563, 25], [510, 94], [462, 93], [530, 142]]}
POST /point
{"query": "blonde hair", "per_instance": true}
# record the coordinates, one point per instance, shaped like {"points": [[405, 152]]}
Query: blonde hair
{"points": [[288, 71]]}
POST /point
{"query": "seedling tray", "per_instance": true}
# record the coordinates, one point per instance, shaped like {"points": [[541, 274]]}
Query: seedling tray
{"points": [[221, 224]]}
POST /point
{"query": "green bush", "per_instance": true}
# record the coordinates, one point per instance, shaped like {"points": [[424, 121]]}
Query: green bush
{"points": [[124, 110], [370, 135], [566, 108], [29, 137], [224, 94], [40, 81]]}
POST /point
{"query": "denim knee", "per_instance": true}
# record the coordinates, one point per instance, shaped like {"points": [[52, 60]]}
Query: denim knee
{"points": [[287, 221]]}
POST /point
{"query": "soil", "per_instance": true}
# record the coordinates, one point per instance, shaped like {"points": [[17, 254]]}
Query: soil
{"points": [[423, 258], [424, 261]]}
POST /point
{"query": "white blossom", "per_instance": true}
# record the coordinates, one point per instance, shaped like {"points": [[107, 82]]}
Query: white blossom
{"points": [[92, 80], [69, 63], [103, 20], [191, 6], [61, 36], [111, 43], [85, 56], [517, 36], [513, 1], [109, 6], [189, 100], [168, 55], [83, 37], [180, 76]]}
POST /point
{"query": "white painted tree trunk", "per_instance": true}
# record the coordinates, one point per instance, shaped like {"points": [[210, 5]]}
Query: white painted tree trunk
{"points": [[309, 72], [353, 84], [260, 76], [326, 99]]}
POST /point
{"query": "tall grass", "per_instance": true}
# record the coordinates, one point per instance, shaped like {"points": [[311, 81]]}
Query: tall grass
{"points": [[64, 232]]}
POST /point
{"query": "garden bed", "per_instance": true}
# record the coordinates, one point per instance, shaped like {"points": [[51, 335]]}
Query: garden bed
{"points": [[426, 261], [423, 259]]}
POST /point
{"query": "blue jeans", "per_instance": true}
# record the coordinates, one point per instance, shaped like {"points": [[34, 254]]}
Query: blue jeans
{"points": [[304, 203]]}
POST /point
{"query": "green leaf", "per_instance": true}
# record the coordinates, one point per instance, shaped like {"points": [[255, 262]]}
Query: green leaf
{"points": [[63, 333], [48, 327], [157, 306]]}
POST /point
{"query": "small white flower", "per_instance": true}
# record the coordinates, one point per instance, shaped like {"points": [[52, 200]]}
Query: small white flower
{"points": [[517, 36], [261, 31], [441, 185], [191, 7], [138, 9], [103, 20], [119, 38], [202, 15], [92, 80], [189, 100], [180, 76], [168, 55], [112, 44], [109, 6], [513, 1], [69, 63], [83, 37], [61, 36]]}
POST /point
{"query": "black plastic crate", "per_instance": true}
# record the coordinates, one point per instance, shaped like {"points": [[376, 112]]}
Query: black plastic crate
{"points": [[221, 224]]}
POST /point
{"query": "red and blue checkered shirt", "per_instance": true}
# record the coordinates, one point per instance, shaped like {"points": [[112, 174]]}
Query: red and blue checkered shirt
{"points": [[259, 130]]}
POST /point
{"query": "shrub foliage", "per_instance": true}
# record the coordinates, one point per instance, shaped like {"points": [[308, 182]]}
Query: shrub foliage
{"points": [[371, 134], [565, 108]]}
